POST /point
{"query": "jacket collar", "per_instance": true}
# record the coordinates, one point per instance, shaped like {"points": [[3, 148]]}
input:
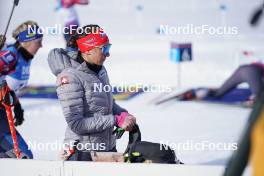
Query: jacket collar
{"points": [[84, 68], [81, 65]]}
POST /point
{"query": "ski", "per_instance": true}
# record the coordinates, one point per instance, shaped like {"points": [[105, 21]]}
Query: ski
{"points": [[236, 97], [187, 95]]}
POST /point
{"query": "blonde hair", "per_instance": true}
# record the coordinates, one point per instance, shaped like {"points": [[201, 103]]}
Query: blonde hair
{"points": [[22, 27]]}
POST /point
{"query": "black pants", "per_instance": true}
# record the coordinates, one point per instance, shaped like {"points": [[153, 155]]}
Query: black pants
{"points": [[4, 129], [250, 74], [4, 126], [6, 143], [84, 155]]}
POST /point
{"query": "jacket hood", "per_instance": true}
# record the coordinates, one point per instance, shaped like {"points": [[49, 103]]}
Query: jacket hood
{"points": [[60, 59]]}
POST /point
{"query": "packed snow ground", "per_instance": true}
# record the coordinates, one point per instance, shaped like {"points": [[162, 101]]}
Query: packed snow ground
{"points": [[139, 55]]}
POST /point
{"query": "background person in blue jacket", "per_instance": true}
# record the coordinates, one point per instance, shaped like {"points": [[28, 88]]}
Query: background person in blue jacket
{"points": [[15, 61]]}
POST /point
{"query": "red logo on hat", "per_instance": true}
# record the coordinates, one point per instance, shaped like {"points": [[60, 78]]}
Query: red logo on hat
{"points": [[64, 80], [91, 41]]}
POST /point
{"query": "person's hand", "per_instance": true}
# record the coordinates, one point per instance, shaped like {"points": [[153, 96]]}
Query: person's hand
{"points": [[19, 114], [7, 96], [125, 121], [130, 122], [2, 41]]}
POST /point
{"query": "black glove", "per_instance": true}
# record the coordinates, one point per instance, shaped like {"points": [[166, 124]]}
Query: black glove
{"points": [[8, 97], [2, 41], [19, 114]]}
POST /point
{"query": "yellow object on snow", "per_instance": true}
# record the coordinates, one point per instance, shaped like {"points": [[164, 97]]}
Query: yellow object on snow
{"points": [[257, 147]]}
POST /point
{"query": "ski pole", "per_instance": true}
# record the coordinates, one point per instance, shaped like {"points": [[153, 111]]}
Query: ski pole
{"points": [[8, 108], [12, 129], [166, 100], [256, 16], [14, 5]]}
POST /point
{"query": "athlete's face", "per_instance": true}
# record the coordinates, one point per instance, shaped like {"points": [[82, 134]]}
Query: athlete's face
{"points": [[33, 46], [95, 56]]}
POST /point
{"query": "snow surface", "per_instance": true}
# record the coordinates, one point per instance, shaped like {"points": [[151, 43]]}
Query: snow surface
{"points": [[140, 55]]}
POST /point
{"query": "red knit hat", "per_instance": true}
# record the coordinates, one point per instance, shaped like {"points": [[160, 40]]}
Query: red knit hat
{"points": [[92, 41]]}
